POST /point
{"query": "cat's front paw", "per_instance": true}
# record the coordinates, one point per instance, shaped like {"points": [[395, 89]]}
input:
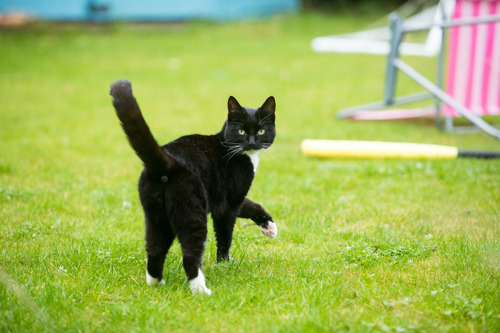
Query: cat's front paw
{"points": [[271, 230]]}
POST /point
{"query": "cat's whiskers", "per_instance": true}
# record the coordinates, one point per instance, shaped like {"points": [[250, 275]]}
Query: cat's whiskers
{"points": [[233, 149], [268, 150], [228, 144], [233, 153]]}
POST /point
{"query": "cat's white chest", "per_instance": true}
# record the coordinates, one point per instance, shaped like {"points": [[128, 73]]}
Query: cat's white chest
{"points": [[254, 158]]}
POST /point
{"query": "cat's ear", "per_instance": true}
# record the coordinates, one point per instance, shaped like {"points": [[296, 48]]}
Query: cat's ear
{"points": [[233, 105], [269, 105]]}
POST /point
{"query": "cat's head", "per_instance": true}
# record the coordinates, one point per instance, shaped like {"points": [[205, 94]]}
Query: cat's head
{"points": [[250, 129]]}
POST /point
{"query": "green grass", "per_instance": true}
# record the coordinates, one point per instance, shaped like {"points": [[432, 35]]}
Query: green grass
{"points": [[364, 245]]}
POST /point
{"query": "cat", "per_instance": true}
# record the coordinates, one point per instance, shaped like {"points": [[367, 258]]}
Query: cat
{"points": [[188, 178]]}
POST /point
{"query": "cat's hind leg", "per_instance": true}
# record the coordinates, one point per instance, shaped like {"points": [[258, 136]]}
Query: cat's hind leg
{"points": [[159, 238], [192, 234]]}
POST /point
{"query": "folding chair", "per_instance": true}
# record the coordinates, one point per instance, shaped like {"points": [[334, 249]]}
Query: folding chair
{"points": [[473, 70]]}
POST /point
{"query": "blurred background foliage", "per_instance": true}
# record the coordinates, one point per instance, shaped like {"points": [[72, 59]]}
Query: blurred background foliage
{"points": [[329, 6]]}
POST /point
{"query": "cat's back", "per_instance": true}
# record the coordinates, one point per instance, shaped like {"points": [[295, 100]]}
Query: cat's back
{"points": [[206, 157], [195, 150]]}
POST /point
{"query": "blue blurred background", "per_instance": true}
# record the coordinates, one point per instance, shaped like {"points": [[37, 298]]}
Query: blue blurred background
{"points": [[103, 10]]}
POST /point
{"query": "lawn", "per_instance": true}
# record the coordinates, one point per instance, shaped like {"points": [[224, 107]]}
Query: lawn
{"points": [[364, 245]]}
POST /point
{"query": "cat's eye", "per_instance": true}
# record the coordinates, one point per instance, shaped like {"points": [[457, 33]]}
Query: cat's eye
{"points": [[241, 132], [261, 131]]}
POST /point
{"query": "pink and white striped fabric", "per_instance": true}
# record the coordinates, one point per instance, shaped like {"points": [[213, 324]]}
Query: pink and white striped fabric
{"points": [[474, 59]]}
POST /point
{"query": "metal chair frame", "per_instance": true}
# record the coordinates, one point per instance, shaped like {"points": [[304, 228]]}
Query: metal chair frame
{"points": [[435, 90]]}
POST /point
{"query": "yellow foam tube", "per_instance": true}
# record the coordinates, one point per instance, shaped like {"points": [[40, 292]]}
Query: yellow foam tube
{"points": [[376, 149]]}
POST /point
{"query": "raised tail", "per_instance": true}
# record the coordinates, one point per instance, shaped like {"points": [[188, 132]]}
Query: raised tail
{"points": [[156, 160]]}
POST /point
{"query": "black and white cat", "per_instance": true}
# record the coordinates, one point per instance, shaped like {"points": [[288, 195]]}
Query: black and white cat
{"points": [[195, 175]]}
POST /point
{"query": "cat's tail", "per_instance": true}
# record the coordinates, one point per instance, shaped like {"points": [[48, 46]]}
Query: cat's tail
{"points": [[156, 160]]}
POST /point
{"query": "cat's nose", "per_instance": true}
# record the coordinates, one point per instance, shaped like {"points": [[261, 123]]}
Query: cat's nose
{"points": [[251, 141]]}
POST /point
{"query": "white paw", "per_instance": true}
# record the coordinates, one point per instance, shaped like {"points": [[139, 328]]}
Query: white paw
{"points": [[151, 281], [197, 285], [271, 230]]}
